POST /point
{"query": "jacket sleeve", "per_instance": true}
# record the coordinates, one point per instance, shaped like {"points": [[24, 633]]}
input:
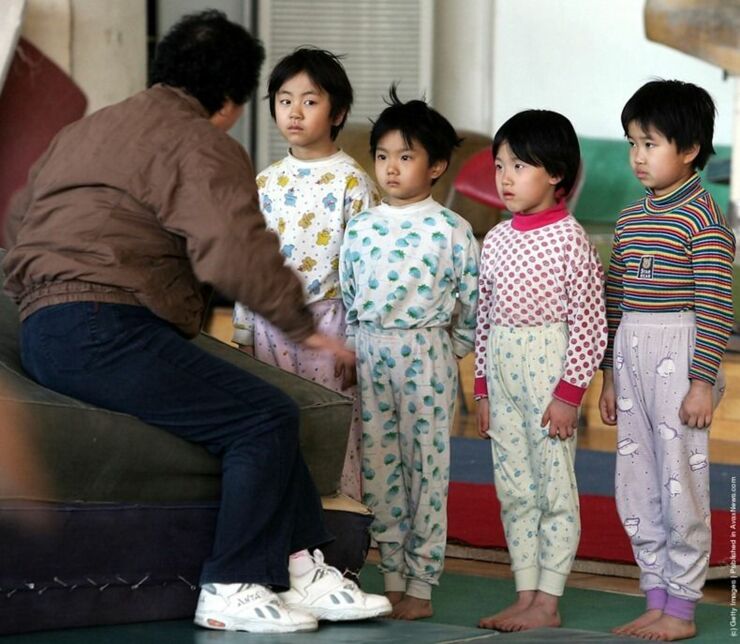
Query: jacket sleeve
{"points": [[19, 203], [213, 203]]}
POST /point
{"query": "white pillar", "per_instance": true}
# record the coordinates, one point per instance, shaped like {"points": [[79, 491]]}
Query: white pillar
{"points": [[734, 207], [109, 49], [101, 45], [463, 63]]}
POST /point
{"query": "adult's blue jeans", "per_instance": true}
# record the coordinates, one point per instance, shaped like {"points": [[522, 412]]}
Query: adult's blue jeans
{"points": [[126, 359]]}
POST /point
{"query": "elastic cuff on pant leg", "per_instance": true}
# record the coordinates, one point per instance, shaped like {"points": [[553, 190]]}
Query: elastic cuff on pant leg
{"points": [[551, 582], [419, 589], [680, 608], [526, 578], [656, 598], [394, 582]]}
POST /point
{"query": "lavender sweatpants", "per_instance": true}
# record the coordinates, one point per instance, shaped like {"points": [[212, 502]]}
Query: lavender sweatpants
{"points": [[273, 347], [662, 474]]}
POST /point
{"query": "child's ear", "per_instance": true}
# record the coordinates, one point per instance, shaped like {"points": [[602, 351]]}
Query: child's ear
{"points": [[437, 169], [554, 180], [337, 120], [689, 154]]}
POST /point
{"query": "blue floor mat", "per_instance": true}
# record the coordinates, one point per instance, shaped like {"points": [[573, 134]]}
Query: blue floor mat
{"points": [[471, 463]]}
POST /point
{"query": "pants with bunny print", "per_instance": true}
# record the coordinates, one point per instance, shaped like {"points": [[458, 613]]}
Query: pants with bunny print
{"points": [[662, 475], [273, 347], [408, 387], [534, 474]]}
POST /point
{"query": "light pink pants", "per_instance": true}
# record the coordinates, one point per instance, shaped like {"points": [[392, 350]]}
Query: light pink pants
{"points": [[273, 347]]}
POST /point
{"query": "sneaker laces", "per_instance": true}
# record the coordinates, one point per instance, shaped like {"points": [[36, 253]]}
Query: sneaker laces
{"points": [[323, 569]]}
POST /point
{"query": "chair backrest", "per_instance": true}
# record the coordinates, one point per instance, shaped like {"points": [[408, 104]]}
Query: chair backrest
{"points": [[37, 100], [477, 181]]}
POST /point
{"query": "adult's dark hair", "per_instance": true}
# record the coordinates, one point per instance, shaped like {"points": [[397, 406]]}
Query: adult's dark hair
{"points": [[211, 58], [682, 112], [416, 121], [546, 139], [323, 68]]}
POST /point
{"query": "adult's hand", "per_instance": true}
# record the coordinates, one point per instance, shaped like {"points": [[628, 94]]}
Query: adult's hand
{"points": [[344, 358]]}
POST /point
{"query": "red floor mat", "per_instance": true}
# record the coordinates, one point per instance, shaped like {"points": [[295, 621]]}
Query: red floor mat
{"points": [[473, 519]]}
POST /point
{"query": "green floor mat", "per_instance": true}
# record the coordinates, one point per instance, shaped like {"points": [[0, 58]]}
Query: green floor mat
{"points": [[381, 631], [463, 599], [459, 602]]}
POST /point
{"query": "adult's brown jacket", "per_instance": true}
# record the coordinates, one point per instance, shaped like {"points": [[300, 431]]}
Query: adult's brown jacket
{"points": [[144, 203]]}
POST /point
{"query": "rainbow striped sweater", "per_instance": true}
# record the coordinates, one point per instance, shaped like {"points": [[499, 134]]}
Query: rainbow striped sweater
{"points": [[675, 253]]}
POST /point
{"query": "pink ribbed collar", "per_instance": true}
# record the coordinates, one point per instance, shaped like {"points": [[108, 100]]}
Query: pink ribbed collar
{"points": [[539, 219]]}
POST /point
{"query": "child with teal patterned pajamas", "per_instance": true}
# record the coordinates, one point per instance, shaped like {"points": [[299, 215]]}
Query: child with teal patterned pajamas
{"points": [[409, 272], [541, 333]]}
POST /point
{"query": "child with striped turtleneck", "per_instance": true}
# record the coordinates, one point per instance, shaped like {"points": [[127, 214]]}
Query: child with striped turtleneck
{"points": [[669, 306], [541, 333]]}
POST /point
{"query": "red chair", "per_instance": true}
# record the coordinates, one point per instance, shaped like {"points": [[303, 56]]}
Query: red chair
{"points": [[477, 181], [37, 100]]}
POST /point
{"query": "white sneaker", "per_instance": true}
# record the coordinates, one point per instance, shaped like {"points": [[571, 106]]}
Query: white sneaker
{"points": [[248, 607], [326, 594]]}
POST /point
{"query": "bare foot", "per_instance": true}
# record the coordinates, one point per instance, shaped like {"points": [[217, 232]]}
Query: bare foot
{"points": [[412, 608], [394, 596], [536, 616], [668, 629], [524, 600], [630, 628]]}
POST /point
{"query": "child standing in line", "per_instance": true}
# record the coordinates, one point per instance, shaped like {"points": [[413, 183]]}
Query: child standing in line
{"points": [[404, 266], [669, 304], [540, 337], [307, 198]]}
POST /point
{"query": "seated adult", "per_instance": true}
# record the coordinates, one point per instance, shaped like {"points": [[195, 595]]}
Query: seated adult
{"points": [[126, 217]]}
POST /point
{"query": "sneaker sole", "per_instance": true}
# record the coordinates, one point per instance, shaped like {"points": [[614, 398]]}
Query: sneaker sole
{"points": [[218, 622], [345, 615]]}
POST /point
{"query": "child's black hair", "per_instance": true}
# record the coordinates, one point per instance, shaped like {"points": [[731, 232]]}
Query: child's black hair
{"points": [[545, 139], [211, 58], [324, 69], [416, 121], [682, 112]]}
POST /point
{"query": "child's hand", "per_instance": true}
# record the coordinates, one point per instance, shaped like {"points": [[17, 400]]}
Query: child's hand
{"points": [[482, 409], [696, 408], [247, 348], [562, 418], [608, 399], [348, 373]]}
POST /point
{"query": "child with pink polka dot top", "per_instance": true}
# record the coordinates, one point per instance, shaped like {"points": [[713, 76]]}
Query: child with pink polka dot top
{"points": [[540, 336]]}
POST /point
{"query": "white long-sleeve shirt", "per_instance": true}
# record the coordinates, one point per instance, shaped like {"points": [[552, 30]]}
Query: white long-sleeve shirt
{"points": [[407, 267], [308, 203], [538, 269]]}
